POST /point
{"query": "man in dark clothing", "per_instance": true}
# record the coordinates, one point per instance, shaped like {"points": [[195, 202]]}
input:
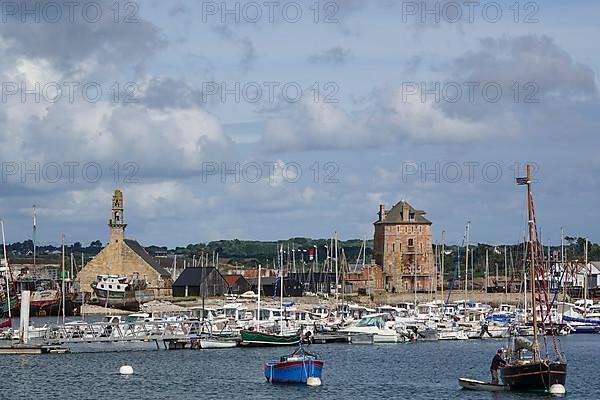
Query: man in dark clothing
{"points": [[484, 329], [497, 362]]}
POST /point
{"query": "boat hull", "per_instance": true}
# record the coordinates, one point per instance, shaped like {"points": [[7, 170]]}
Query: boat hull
{"points": [[472, 384], [538, 376], [217, 344], [256, 339], [293, 371]]}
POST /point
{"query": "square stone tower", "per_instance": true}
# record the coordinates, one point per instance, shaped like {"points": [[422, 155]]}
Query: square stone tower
{"points": [[403, 248]]}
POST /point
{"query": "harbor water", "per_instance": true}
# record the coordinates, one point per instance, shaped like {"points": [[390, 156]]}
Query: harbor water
{"points": [[426, 370]]}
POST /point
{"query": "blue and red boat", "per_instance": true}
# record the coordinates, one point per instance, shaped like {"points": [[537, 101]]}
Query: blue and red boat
{"points": [[298, 367]]}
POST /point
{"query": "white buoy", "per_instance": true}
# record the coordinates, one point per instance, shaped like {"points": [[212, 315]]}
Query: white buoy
{"points": [[313, 381], [557, 389], [126, 370]]}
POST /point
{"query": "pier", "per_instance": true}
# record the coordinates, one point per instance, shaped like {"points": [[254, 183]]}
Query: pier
{"points": [[173, 332]]}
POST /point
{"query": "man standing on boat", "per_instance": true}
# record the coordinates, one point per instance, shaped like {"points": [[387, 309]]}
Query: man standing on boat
{"points": [[497, 362]]}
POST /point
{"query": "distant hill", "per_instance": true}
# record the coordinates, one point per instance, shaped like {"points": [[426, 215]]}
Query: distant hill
{"points": [[249, 253]]}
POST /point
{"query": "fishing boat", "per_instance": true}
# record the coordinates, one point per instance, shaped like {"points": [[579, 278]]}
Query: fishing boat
{"points": [[298, 367], [261, 338], [6, 304], [45, 301], [526, 369], [121, 291], [473, 384]]}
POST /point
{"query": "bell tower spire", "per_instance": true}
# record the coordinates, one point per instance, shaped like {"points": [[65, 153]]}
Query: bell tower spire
{"points": [[117, 223]]}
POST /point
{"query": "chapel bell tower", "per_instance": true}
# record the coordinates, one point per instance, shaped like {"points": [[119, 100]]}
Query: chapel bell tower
{"points": [[117, 223]]}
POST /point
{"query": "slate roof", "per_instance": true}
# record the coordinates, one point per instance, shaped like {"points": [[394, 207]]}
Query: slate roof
{"points": [[140, 251], [394, 216], [232, 279], [270, 280], [194, 276]]}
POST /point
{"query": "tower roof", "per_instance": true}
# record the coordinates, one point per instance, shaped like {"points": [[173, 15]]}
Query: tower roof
{"points": [[397, 215]]}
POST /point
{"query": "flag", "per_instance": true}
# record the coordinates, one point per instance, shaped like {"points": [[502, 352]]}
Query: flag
{"points": [[521, 181]]}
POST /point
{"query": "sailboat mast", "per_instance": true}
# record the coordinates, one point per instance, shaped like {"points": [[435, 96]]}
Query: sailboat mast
{"points": [[258, 305], [442, 263], [7, 272], [281, 279], [532, 263], [337, 274], [505, 273], [467, 261], [34, 239], [585, 278], [62, 297], [487, 268]]}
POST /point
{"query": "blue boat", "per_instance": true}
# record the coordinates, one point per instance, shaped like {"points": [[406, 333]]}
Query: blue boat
{"points": [[297, 367]]}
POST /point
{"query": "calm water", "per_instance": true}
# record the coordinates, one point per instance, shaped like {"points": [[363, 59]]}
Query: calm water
{"points": [[415, 371]]}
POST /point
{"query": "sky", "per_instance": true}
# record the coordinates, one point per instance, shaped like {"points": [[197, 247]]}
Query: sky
{"points": [[271, 120]]}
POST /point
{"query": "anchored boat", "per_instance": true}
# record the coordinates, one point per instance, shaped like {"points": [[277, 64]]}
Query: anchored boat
{"points": [[298, 367], [257, 338]]}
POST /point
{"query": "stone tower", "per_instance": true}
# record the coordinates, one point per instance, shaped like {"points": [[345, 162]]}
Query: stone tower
{"points": [[117, 223], [403, 248]]}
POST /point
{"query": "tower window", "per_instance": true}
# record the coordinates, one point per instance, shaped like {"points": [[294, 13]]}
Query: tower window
{"points": [[410, 242], [411, 216]]}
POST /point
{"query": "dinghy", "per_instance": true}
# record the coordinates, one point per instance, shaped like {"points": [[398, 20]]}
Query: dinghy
{"points": [[214, 343], [473, 384]]}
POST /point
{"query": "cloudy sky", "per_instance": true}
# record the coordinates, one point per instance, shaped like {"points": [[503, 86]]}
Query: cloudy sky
{"points": [[268, 121]]}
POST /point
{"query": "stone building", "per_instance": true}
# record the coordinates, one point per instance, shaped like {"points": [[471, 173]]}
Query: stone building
{"points": [[403, 248], [369, 279], [124, 257]]}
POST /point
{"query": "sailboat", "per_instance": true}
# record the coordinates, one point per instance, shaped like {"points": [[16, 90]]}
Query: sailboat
{"points": [[527, 368], [258, 336]]}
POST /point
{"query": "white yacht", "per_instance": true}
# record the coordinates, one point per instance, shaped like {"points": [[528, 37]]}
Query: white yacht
{"points": [[377, 325]]}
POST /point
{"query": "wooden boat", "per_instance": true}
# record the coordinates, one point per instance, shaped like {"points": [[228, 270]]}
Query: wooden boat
{"points": [[45, 302], [215, 343], [535, 376], [4, 306], [526, 369], [298, 367], [121, 291], [473, 384], [257, 338]]}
